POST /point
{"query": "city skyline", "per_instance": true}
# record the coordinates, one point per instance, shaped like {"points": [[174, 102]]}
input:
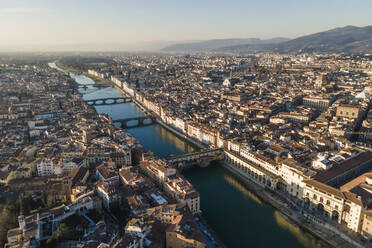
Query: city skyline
{"points": [[203, 124], [127, 25]]}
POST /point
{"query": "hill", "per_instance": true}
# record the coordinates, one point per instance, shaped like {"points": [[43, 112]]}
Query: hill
{"points": [[216, 44], [349, 39]]}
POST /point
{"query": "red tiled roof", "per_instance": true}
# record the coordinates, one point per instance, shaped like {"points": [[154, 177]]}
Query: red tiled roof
{"points": [[344, 167]]}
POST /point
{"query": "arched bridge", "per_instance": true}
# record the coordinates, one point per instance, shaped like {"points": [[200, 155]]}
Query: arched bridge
{"points": [[82, 86], [141, 121], [85, 86], [108, 101], [203, 157]]}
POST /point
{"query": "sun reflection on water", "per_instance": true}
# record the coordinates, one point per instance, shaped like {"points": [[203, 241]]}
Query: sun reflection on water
{"points": [[305, 238]]}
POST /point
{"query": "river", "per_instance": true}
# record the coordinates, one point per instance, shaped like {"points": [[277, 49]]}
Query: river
{"points": [[236, 215]]}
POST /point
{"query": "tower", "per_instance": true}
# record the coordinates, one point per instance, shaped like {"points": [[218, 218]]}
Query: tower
{"points": [[320, 81], [21, 221]]}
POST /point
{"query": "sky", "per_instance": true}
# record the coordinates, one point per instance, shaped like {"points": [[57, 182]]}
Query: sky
{"points": [[111, 25]]}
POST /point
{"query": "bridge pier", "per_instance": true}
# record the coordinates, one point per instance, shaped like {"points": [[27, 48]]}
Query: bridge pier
{"points": [[140, 121], [105, 101], [202, 158]]}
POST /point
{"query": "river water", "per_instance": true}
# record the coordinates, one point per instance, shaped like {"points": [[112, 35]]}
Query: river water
{"points": [[235, 214]]}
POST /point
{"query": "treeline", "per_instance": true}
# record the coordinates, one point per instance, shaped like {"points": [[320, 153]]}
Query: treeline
{"points": [[82, 63], [8, 220], [23, 206]]}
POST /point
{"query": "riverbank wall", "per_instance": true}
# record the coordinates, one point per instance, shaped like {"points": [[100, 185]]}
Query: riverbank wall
{"points": [[160, 122], [179, 134], [259, 191], [324, 232], [315, 228]]}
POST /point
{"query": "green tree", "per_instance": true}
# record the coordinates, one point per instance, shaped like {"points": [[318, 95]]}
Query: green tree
{"points": [[44, 200], [51, 202], [50, 243], [2, 200], [62, 231], [8, 220], [24, 205]]}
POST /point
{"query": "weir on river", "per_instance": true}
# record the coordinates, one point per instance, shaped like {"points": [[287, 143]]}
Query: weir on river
{"points": [[237, 216]]}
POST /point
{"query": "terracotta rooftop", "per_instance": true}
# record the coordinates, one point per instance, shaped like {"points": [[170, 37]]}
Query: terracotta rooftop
{"points": [[344, 167]]}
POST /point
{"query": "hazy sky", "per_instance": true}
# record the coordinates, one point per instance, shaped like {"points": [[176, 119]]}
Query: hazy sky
{"points": [[145, 24]]}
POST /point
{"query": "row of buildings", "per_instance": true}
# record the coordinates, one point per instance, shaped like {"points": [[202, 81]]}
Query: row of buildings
{"points": [[78, 170], [284, 121]]}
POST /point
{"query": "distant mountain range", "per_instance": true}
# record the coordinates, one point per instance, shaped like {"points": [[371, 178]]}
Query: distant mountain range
{"points": [[210, 45], [346, 39], [349, 39]]}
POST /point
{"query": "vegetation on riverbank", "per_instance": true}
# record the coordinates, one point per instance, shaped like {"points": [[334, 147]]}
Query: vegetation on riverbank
{"points": [[81, 66], [68, 68], [97, 79], [8, 220]]}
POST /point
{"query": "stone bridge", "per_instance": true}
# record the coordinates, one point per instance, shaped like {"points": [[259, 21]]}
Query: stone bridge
{"points": [[141, 121], [108, 101], [202, 158], [86, 86]]}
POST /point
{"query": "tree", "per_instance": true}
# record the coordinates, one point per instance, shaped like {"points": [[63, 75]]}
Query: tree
{"points": [[44, 199], [67, 230], [62, 231], [24, 205], [14, 175], [50, 243], [51, 201], [8, 220], [2, 200]]}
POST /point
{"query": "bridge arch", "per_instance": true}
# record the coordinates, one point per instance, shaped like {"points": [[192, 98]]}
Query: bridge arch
{"points": [[203, 157], [132, 123], [108, 101], [140, 121]]}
